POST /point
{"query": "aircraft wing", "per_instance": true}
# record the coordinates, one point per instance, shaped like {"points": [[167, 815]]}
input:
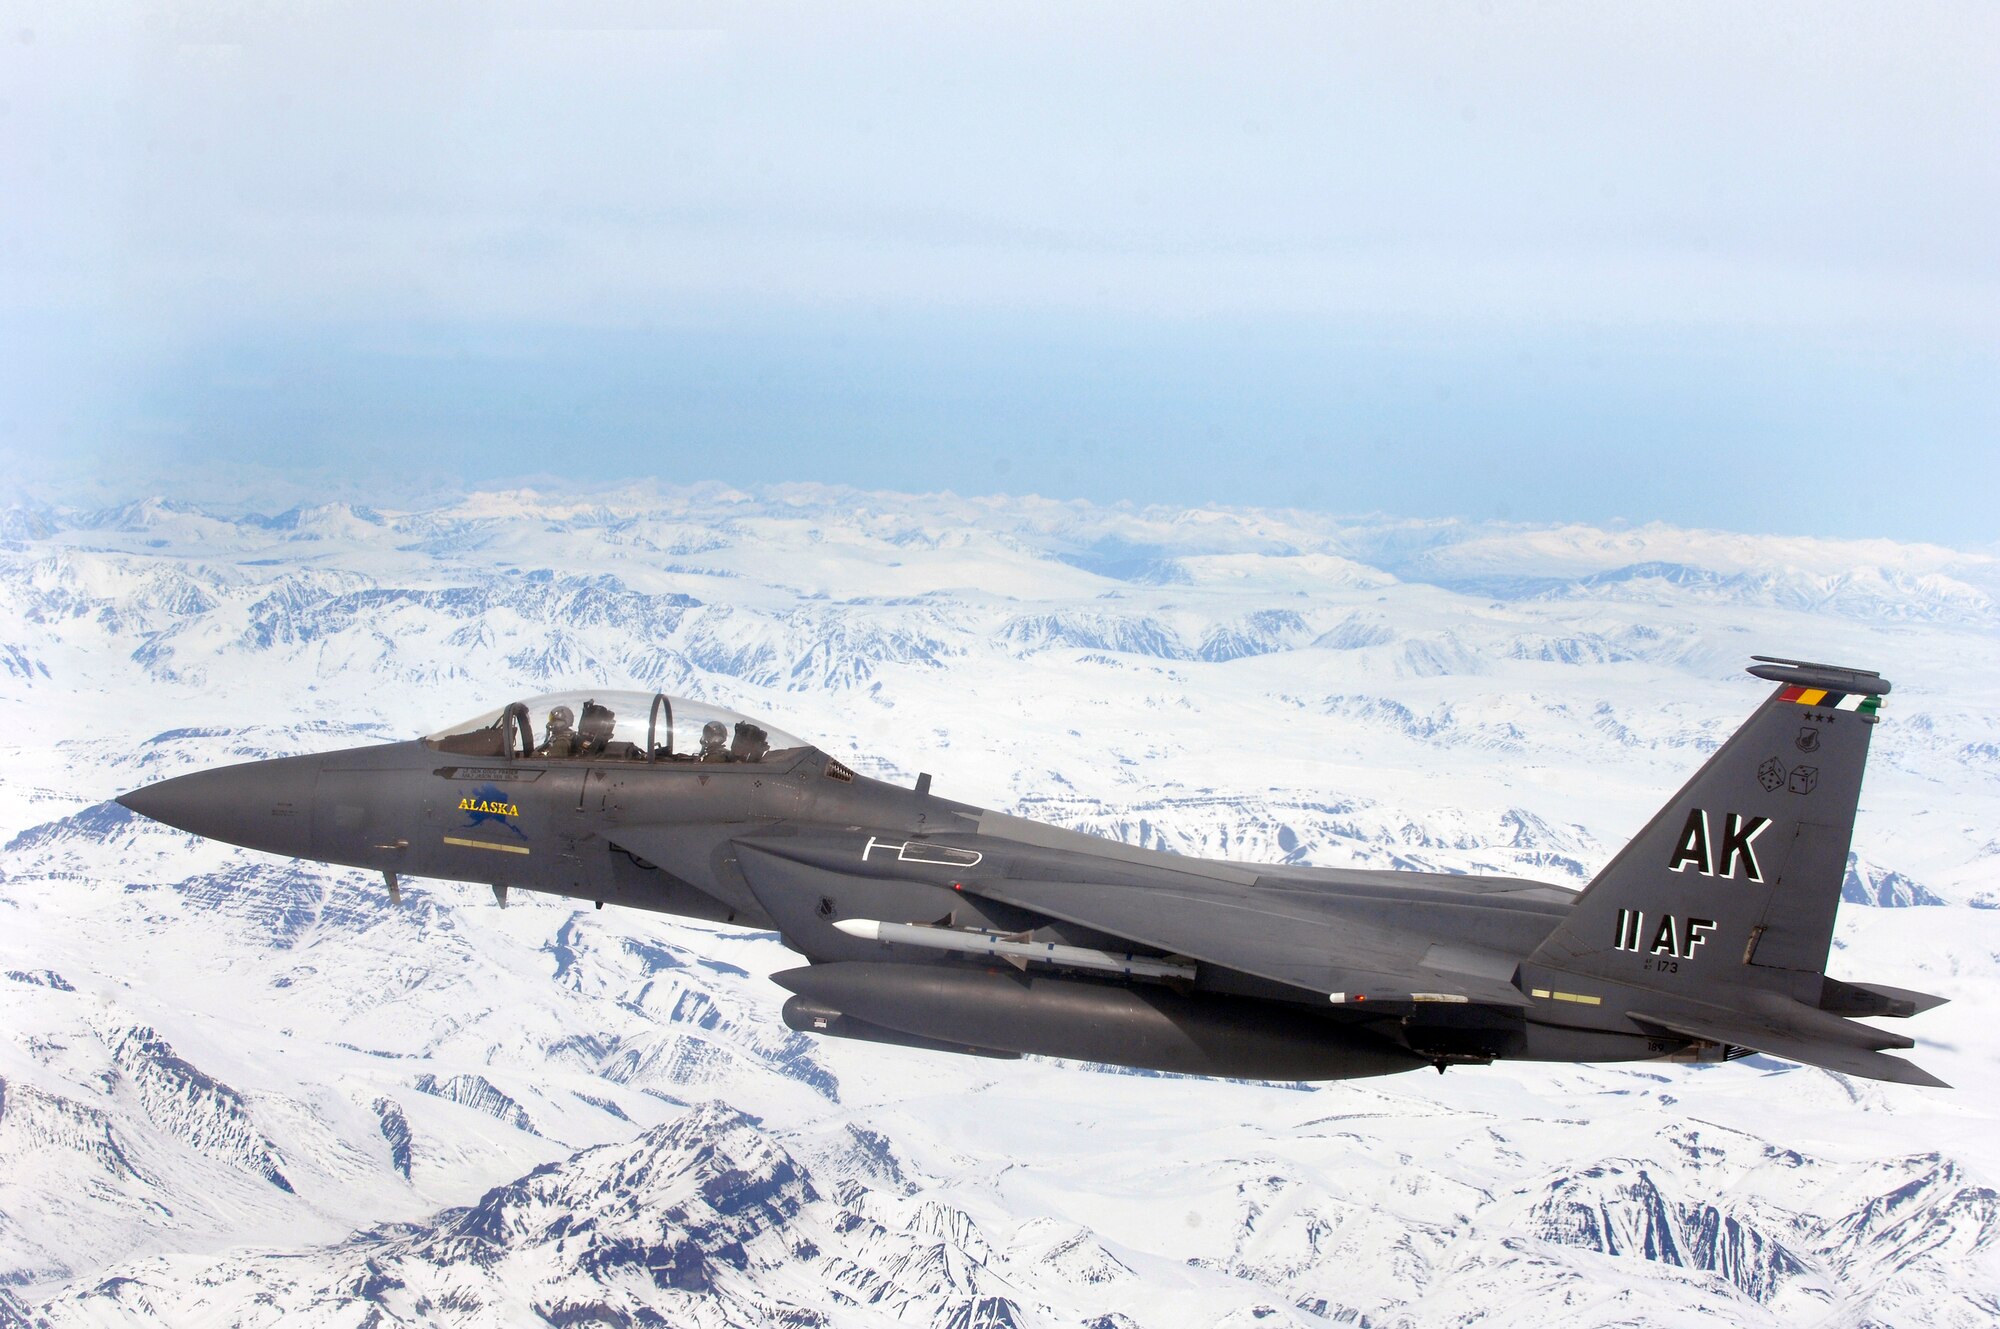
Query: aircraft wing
{"points": [[1281, 936], [1810, 1037], [1208, 912]]}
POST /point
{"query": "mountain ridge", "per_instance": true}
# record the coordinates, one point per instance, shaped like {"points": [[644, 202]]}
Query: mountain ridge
{"points": [[1265, 686]]}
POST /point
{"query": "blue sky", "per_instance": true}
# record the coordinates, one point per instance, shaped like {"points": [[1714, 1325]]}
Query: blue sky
{"points": [[1546, 262]]}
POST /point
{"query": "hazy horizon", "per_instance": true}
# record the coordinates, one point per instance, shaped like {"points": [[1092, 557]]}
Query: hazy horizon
{"points": [[1722, 269]]}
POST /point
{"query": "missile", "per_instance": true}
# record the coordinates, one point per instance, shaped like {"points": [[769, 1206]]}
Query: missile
{"points": [[1015, 948]]}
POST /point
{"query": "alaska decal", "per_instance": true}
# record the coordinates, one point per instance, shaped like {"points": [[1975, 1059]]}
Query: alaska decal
{"points": [[489, 804]]}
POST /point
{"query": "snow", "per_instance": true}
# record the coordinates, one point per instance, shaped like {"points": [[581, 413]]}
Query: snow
{"points": [[546, 1114]]}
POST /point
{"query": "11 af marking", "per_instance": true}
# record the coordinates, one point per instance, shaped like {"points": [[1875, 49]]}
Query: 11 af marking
{"points": [[1673, 937]]}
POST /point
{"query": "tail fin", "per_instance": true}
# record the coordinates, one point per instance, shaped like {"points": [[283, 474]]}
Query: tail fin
{"points": [[1738, 877]]}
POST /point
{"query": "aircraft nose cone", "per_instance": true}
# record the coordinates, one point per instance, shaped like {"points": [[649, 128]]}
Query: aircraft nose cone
{"points": [[178, 802], [264, 805]]}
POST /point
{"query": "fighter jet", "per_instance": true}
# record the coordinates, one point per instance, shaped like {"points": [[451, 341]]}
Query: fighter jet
{"points": [[932, 924]]}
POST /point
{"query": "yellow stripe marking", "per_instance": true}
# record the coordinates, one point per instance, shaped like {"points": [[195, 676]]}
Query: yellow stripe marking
{"points": [[1542, 992], [486, 844], [1579, 999], [1812, 696]]}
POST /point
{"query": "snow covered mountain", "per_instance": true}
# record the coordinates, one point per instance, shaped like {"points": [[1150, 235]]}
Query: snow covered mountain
{"points": [[240, 1090]]}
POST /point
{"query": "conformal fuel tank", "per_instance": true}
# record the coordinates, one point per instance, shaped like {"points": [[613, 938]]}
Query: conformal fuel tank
{"points": [[1147, 1026]]}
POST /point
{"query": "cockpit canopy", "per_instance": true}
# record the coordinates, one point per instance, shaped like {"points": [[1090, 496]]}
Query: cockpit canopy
{"points": [[605, 725]]}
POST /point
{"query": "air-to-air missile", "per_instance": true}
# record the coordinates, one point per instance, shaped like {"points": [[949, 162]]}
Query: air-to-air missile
{"points": [[934, 924]]}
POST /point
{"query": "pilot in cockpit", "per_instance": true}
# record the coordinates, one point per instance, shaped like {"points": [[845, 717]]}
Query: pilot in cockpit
{"points": [[714, 742], [560, 740]]}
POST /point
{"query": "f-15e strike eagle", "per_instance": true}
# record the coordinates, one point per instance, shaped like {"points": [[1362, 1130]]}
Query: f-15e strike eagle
{"points": [[933, 924]]}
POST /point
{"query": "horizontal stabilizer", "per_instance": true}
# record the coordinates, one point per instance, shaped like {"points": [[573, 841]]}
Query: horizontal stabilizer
{"points": [[1870, 999], [1850, 1055]]}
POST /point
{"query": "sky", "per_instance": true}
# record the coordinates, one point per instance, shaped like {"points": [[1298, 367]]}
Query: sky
{"points": [[1720, 266]]}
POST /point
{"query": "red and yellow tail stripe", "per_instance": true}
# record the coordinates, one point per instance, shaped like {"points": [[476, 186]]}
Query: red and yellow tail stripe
{"points": [[1863, 702]]}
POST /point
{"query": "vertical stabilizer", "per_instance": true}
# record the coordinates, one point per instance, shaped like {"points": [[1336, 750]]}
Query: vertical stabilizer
{"points": [[1736, 880]]}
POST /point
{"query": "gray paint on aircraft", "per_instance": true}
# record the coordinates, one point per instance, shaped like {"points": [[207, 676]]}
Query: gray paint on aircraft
{"points": [[1704, 938]]}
